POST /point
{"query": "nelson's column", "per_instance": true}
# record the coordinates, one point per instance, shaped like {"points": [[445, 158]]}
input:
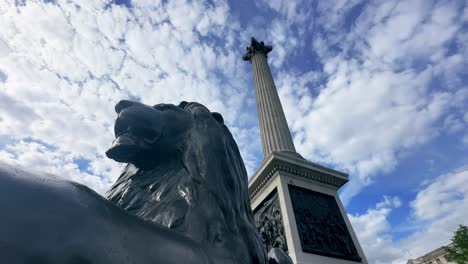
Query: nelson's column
{"points": [[295, 201]]}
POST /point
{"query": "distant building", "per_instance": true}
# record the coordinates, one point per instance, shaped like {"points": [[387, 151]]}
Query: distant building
{"points": [[436, 256]]}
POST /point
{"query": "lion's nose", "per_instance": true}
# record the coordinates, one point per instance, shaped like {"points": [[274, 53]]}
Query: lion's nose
{"points": [[122, 105]]}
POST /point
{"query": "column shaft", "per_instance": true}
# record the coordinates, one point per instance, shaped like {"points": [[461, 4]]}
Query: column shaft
{"points": [[273, 125]]}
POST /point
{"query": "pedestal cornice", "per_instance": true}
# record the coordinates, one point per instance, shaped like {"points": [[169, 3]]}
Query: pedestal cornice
{"points": [[291, 164]]}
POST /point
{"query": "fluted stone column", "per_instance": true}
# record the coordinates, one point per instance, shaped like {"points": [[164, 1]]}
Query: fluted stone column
{"points": [[273, 125], [296, 188]]}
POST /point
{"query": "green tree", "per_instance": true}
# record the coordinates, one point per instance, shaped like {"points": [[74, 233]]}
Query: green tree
{"points": [[458, 252]]}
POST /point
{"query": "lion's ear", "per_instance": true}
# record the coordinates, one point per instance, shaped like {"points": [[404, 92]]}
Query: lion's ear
{"points": [[218, 117], [183, 104]]}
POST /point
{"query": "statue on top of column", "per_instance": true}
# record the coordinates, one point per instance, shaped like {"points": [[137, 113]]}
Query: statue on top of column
{"points": [[255, 47]]}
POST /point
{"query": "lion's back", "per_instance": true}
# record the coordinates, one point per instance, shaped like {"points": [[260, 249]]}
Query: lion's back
{"points": [[45, 219]]}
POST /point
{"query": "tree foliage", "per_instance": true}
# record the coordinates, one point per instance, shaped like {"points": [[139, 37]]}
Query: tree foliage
{"points": [[458, 252]]}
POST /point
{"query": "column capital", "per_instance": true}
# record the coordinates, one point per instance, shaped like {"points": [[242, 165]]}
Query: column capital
{"points": [[256, 47]]}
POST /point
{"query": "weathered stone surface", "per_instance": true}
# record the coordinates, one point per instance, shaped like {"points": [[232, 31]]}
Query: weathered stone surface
{"points": [[273, 125]]}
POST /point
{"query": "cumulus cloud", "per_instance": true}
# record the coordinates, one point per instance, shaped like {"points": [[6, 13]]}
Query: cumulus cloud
{"points": [[64, 64], [372, 229], [42, 158], [447, 192], [383, 88], [360, 83], [388, 80], [436, 211]]}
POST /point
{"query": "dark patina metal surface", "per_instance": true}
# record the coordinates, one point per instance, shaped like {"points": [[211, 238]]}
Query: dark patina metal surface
{"points": [[182, 198], [270, 223], [322, 229]]}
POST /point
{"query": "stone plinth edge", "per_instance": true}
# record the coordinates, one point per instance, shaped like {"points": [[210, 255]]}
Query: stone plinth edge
{"points": [[292, 164]]}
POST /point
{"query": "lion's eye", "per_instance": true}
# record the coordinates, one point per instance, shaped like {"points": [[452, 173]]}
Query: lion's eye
{"points": [[163, 107]]}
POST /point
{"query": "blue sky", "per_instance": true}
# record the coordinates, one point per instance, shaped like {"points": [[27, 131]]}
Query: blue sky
{"points": [[375, 89]]}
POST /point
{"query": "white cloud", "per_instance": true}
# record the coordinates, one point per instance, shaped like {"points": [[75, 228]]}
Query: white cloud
{"points": [[293, 11], [375, 97], [445, 194], [65, 64], [361, 119], [42, 158], [387, 82], [372, 229], [437, 210], [16, 115]]}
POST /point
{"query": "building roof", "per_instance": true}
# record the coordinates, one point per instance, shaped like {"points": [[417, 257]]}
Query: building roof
{"points": [[440, 251]]}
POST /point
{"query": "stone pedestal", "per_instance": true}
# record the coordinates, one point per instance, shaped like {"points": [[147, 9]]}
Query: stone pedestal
{"points": [[295, 202], [297, 208]]}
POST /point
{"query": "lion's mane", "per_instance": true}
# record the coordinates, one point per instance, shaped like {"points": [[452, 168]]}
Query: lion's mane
{"points": [[201, 192]]}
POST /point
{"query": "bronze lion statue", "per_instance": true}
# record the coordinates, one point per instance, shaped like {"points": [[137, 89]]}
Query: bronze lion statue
{"points": [[182, 198]]}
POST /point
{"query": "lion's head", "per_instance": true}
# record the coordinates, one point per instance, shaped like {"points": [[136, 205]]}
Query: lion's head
{"points": [[146, 135], [185, 172]]}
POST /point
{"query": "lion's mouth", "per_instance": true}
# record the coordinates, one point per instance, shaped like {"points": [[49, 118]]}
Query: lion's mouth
{"points": [[132, 134], [130, 139]]}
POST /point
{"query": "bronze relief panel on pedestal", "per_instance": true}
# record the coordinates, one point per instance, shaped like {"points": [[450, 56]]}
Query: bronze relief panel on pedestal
{"points": [[269, 223], [322, 229]]}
